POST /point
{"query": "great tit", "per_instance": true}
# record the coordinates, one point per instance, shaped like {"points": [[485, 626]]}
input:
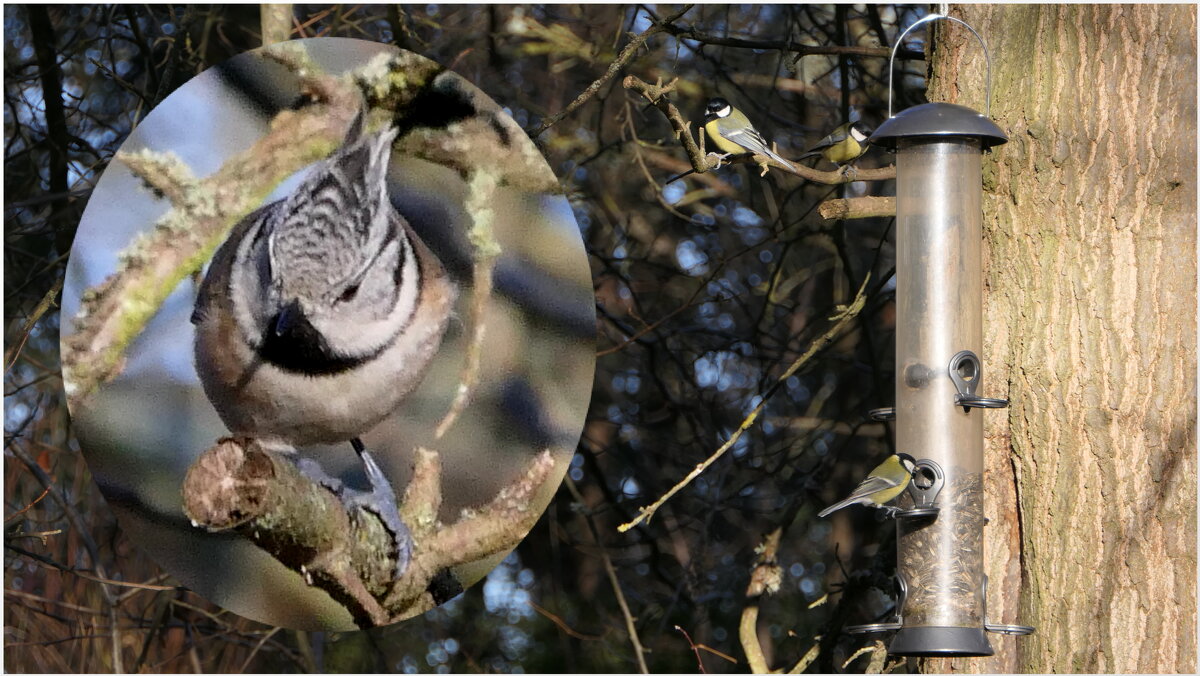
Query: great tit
{"points": [[731, 131], [844, 144], [884, 484]]}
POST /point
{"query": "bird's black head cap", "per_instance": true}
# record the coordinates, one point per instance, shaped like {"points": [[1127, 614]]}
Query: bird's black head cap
{"points": [[717, 107]]}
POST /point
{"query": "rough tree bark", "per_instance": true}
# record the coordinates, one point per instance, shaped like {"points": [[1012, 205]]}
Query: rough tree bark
{"points": [[1090, 328]]}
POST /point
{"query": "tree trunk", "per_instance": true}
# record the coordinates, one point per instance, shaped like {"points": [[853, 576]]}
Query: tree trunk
{"points": [[1090, 329]]}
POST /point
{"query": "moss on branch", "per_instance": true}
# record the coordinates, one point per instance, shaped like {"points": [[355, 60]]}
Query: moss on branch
{"points": [[239, 487]]}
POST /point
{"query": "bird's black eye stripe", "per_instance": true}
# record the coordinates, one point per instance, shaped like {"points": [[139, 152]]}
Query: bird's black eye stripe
{"points": [[349, 294]]}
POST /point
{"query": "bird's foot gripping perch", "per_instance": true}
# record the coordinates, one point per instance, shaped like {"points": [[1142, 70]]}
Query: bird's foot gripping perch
{"points": [[718, 158], [380, 500]]}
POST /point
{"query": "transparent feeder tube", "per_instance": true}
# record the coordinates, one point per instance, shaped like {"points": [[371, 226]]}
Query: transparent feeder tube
{"points": [[939, 309]]}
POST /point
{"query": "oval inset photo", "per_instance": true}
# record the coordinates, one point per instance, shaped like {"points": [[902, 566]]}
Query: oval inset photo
{"points": [[331, 335]]}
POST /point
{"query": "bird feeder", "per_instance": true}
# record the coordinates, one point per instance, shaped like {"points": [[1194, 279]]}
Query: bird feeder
{"points": [[941, 586]]}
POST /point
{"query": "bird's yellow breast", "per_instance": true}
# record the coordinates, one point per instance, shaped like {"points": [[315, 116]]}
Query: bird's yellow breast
{"points": [[722, 144], [840, 153]]}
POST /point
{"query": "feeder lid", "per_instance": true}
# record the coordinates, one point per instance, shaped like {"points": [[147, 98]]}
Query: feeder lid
{"points": [[938, 119]]}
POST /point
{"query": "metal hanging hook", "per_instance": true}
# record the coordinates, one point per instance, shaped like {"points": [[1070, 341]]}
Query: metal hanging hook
{"points": [[929, 19]]}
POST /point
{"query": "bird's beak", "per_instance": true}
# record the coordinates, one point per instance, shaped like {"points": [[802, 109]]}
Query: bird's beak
{"points": [[291, 315], [709, 117]]}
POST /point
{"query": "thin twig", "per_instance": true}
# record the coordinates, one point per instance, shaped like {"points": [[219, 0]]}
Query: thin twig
{"points": [[481, 192], [842, 320], [258, 646], [691, 33], [10, 358], [613, 69], [562, 624], [694, 647], [764, 579], [26, 508], [808, 658], [655, 94], [630, 625]]}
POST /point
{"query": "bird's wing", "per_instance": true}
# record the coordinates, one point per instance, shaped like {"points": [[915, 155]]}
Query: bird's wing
{"points": [[871, 485], [222, 261], [750, 139], [836, 136]]}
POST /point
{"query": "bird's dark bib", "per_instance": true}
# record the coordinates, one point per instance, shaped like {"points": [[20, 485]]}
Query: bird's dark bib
{"points": [[300, 348]]}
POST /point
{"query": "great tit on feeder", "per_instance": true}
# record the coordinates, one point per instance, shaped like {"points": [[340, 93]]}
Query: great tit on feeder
{"points": [[843, 145], [884, 484], [731, 131]]}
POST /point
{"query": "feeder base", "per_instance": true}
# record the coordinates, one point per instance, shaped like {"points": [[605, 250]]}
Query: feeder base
{"points": [[941, 642]]}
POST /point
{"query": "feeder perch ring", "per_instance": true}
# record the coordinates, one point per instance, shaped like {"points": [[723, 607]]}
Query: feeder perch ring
{"points": [[966, 372], [877, 628], [1008, 629]]}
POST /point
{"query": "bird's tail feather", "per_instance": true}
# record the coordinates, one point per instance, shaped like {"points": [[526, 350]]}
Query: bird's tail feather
{"points": [[836, 506], [782, 161]]}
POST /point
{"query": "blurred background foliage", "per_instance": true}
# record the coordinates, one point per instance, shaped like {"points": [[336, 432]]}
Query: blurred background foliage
{"points": [[706, 290]]}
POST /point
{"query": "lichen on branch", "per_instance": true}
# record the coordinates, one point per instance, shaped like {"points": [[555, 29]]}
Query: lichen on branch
{"points": [[239, 487], [203, 212]]}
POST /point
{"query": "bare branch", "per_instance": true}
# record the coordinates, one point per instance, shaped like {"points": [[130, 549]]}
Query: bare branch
{"points": [[613, 69], [764, 579], [10, 357], [843, 319], [691, 33], [238, 486], [276, 20], [701, 163], [858, 207], [630, 626], [112, 314], [656, 95], [481, 192]]}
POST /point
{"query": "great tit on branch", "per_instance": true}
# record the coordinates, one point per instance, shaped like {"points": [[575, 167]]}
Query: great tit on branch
{"points": [[731, 131], [884, 484], [843, 145]]}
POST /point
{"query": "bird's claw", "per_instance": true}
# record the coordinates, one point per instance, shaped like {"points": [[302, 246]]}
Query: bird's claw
{"points": [[719, 158], [381, 501], [314, 472]]}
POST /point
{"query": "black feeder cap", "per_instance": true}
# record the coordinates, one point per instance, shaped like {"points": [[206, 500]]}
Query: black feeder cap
{"points": [[941, 642], [938, 120]]}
